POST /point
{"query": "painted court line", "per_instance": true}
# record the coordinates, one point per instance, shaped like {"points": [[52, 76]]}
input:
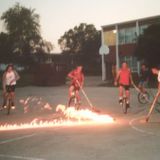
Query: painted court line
{"points": [[19, 157], [18, 138], [138, 129]]}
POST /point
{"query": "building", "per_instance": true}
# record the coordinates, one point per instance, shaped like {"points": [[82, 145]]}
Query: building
{"points": [[121, 39]]}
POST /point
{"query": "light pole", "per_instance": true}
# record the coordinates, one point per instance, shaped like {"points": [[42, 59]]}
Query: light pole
{"points": [[117, 48], [104, 50]]}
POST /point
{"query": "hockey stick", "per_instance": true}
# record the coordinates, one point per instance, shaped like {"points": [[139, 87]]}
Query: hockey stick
{"points": [[88, 100], [85, 95], [137, 89], [153, 105]]}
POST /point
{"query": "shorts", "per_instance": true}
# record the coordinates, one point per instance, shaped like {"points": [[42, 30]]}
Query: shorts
{"points": [[126, 87], [10, 88], [143, 84], [76, 87]]}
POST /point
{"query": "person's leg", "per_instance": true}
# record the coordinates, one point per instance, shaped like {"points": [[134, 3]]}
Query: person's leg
{"points": [[120, 94], [127, 96], [140, 86], [12, 100], [77, 95], [71, 94], [71, 91], [4, 99], [144, 86], [5, 93], [78, 98], [13, 96]]}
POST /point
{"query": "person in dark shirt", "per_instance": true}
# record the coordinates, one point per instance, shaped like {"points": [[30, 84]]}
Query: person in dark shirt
{"points": [[143, 78]]}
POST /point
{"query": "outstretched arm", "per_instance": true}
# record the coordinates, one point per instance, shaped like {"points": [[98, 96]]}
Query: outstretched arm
{"points": [[131, 78], [4, 82]]}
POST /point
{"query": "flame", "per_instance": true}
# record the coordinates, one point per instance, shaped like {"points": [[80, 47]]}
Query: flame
{"points": [[68, 117], [32, 102], [84, 114]]}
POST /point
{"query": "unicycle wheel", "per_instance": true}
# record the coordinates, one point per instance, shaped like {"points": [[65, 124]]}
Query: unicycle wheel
{"points": [[143, 98]]}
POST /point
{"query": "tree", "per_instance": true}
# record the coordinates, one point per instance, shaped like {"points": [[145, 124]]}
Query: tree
{"points": [[22, 26], [148, 45], [23, 36], [84, 41], [5, 48]]}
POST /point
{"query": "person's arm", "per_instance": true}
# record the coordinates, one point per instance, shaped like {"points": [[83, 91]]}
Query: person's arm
{"points": [[130, 77], [16, 75], [71, 75], [4, 82], [158, 78]]}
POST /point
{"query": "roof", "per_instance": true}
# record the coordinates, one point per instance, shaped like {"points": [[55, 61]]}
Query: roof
{"points": [[132, 21]]}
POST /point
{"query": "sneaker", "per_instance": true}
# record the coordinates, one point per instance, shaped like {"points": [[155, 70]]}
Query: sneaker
{"points": [[120, 101], [5, 107], [13, 107]]}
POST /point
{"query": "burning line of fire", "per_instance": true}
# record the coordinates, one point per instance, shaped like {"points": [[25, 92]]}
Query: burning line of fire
{"points": [[32, 102], [69, 117]]}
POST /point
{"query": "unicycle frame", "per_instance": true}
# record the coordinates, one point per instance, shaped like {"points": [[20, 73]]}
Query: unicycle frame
{"points": [[124, 105], [74, 100]]}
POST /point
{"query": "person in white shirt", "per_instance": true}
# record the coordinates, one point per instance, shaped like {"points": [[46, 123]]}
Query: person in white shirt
{"points": [[9, 81], [157, 72]]}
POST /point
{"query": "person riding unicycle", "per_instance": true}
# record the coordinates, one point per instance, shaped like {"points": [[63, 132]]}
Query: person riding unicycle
{"points": [[9, 81], [144, 78], [124, 80], [77, 80]]}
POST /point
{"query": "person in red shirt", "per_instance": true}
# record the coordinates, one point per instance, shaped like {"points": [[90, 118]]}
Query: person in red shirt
{"points": [[77, 80], [124, 79]]}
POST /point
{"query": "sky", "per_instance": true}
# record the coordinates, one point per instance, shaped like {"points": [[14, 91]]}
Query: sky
{"points": [[58, 16]]}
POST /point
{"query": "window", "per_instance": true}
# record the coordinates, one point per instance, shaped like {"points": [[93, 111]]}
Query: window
{"points": [[132, 62], [130, 35], [121, 36], [127, 35], [142, 28]]}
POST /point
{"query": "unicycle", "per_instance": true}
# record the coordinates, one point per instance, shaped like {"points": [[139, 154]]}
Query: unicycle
{"points": [[124, 105], [73, 101], [143, 98]]}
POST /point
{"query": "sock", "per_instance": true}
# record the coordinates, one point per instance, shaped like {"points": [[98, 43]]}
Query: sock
{"points": [[120, 98]]}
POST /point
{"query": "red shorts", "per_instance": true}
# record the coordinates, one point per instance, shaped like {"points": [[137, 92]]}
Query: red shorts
{"points": [[76, 86]]}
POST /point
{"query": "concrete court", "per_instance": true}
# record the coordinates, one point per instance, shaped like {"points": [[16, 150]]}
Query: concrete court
{"points": [[130, 138]]}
